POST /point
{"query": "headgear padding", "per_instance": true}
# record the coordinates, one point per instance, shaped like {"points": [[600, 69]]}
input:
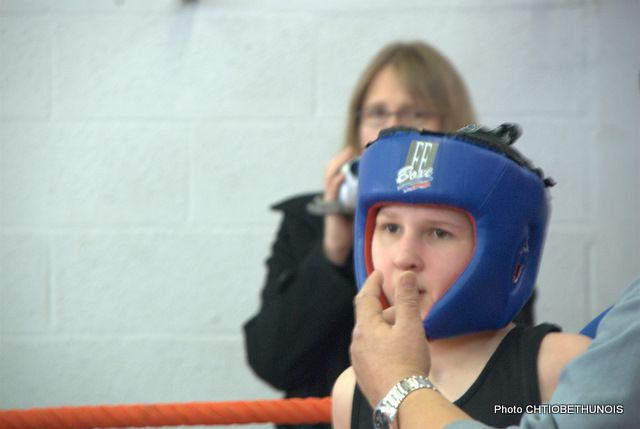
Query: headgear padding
{"points": [[477, 171]]}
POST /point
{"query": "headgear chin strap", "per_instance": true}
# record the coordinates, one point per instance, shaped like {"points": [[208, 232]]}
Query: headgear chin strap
{"points": [[475, 170]]}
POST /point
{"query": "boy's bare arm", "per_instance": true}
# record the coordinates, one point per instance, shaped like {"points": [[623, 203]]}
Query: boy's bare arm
{"points": [[556, 350], [342, 399]]}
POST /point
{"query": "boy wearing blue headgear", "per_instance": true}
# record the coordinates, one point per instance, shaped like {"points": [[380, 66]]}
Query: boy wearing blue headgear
{"points": [[464, 216]]}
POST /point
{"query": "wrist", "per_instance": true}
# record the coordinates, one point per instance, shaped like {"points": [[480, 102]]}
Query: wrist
{"points": [[386, 382], [427, 408], [387, 409]]}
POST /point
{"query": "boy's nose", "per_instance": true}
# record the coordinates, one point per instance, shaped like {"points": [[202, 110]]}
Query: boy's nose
{"points": [[407, 258]]}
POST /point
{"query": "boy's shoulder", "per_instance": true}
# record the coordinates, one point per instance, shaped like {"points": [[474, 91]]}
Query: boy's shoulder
{"points": [[556, 350], [560, 345]]}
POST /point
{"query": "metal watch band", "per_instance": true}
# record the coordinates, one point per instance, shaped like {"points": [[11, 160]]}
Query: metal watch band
{"points": [[388, 406]]}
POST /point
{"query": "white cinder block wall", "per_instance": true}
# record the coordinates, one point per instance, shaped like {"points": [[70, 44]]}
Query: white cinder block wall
{"points": [[141, 143]]}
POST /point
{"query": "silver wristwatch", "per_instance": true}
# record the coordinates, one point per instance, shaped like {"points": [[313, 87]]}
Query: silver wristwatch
{"points": [[387, 408]]}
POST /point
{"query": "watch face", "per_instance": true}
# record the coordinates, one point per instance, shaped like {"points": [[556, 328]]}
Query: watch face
{"points": [[380, 420]]}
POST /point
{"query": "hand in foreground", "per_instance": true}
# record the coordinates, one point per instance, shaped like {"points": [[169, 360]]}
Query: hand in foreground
{"points": [[388, 345]]}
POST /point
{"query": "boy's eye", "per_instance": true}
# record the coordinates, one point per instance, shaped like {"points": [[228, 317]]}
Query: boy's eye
{"points": [[390, 228], [440, 233]]}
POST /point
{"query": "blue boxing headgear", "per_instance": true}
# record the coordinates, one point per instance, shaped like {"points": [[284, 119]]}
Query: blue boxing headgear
{"points": [[477, 171]]}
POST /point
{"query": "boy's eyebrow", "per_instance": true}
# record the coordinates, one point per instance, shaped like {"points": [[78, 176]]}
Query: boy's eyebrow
{"points": [[437, 219], [387, 212]]}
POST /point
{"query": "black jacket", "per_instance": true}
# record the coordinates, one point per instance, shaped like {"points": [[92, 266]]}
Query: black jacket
{"points": [[299, 340]]}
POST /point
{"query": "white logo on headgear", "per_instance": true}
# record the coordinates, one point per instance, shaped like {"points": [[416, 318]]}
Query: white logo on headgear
{"points": [[418, 167]]}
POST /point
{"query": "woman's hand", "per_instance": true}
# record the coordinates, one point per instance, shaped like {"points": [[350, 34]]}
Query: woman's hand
{"points": [[338, 229]]}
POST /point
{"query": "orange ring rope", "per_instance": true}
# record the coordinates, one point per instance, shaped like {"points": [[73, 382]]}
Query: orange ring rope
{"points": [[281, 411]]}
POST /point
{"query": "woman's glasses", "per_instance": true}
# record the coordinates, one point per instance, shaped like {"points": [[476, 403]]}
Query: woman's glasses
{"points": [[378, 116]]}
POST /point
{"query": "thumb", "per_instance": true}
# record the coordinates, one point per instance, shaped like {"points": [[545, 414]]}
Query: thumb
{"points": [[407, 300]]}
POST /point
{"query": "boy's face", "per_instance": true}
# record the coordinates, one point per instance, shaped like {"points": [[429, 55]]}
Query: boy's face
{"points": [[436, 243]]}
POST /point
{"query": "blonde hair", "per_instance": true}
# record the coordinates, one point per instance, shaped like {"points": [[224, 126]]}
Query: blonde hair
{"points": [[427, 75]]}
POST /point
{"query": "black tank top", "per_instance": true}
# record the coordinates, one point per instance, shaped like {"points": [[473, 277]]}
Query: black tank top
{"points": [[509, 379]]}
